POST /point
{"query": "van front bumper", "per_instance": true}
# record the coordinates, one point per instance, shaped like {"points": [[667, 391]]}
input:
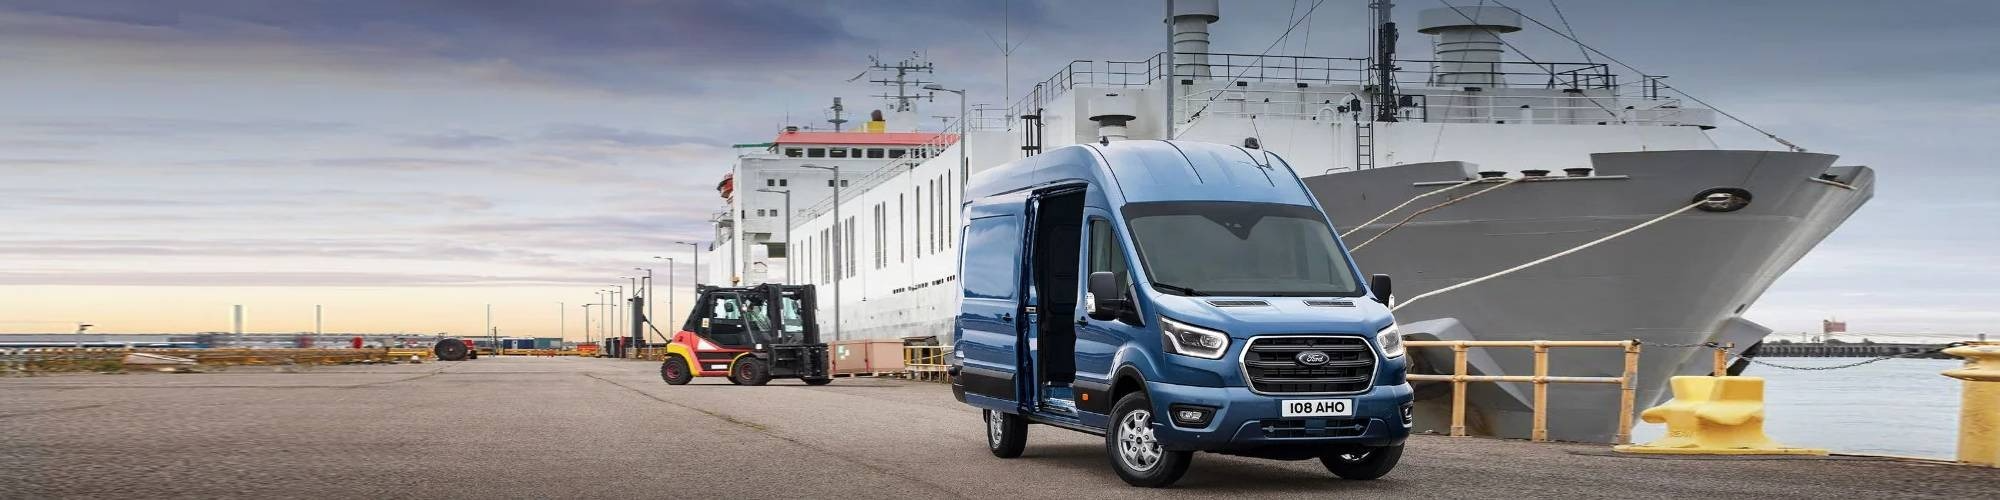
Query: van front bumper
{"points": [[1242, 420]]}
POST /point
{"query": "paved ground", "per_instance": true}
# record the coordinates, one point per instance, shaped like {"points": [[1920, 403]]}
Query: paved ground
{"points": [[566, 427]]}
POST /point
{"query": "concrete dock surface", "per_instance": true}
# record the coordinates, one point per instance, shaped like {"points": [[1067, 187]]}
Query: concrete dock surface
{"points": [[519, 427]]}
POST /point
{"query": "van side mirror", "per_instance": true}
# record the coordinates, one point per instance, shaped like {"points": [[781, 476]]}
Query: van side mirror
{"points": [[1105, 300], [1380, 287]]}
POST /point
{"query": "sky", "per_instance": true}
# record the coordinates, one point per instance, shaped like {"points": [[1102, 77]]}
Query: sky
{"points": [[405, 163]]}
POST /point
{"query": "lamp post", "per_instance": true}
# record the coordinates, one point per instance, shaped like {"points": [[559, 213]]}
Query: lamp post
{"points": [[670, 290], [837, 237], [632, 315], [788, 230], [586, 323], [697, 260], [964, 131], [562, 324], [617, 322]]}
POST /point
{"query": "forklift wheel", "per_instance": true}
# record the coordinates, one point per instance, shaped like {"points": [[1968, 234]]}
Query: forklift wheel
{"points": [[675, 371], [751, 371], [818, 381]]}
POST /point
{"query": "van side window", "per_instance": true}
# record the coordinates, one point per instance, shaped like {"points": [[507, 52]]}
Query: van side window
{"points": [[992, 256], [1106, 255]]}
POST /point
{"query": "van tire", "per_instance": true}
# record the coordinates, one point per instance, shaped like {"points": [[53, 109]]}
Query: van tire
{"points": [[1370, 464], [675, 371], [1134, 453], [1006, 434], [750, 371]]}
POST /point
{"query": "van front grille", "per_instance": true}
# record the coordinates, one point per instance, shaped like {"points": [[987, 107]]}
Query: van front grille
{"points": [[1273, 365]]}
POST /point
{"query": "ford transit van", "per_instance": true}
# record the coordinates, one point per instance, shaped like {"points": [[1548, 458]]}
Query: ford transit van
{"points": [[1173, 297]]}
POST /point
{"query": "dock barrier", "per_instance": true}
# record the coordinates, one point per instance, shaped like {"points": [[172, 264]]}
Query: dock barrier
{"points": [[927, 362], [1459, 378], [1979, 408], [40, 360]]}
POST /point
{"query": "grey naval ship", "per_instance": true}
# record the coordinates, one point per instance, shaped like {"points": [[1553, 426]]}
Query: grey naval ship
{"points": [[1449, 171]]}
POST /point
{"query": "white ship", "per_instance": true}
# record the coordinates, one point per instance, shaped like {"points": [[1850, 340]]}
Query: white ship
{"points": [[1439, 171]]}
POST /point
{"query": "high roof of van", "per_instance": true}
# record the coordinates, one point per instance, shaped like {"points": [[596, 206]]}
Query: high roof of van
{"points": [[1154, 170]]}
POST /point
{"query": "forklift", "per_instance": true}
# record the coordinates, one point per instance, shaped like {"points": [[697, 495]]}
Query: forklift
{"points": [[749, 335]]}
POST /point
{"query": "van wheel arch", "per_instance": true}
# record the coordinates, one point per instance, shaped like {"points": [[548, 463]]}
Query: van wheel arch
{"points": [[1126, 382]]}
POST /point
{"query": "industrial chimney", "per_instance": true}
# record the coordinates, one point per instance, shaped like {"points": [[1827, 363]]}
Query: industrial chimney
{"points": [[1190, 35], [1468, 46]]}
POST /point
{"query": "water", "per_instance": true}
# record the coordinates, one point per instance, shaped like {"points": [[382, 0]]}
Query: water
{"points": [[1893, 407]]}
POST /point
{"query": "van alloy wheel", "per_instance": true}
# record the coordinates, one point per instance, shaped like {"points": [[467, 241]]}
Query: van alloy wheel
{"points": [[994, 429], [1006, 434], [1136, 445]]}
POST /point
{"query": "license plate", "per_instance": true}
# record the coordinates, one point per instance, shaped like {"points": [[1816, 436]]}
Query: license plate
{"points": [[1317, 408]]}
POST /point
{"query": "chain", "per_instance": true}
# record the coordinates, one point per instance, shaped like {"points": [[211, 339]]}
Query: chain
{"points": [[1753, 359]]}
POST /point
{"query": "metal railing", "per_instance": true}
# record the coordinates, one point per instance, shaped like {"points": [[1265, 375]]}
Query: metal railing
{"points": [[40, 360], [929, 363], [1540, 432], [917, 156]]}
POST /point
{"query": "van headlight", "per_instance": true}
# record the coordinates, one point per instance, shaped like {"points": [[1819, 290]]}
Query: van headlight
{"points": [[1391, 340], [1189, 340]]}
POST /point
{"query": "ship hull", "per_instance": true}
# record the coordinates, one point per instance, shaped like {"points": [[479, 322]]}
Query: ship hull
{"points": [[1686, 280]]}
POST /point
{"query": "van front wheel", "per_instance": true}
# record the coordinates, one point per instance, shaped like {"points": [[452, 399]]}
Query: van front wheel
{"points": [[1006, 434], [1135, 451], [1363, 464]]}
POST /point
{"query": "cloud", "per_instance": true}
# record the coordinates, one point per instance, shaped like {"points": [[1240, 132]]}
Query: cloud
{"points": [[614, 45], [139, 126], [454, 140], [607, 136], [334, 279]]}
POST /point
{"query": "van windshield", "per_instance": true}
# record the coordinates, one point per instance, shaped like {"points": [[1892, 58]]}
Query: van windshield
{"points": [[1239, 248]]}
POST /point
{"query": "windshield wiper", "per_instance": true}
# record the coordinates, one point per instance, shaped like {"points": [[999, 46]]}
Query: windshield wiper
{"points": [[1177, 288]]}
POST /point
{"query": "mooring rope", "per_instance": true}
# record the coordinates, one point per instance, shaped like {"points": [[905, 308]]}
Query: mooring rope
{"points": [[1413, 216], [1555, 256]]}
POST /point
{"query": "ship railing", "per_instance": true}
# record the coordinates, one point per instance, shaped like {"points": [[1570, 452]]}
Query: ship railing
{"points": [[917, 156], [1496, 107], [1460, 376], [1320, 71]]}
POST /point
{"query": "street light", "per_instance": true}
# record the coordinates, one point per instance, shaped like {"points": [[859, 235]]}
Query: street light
{"points": [[617, 301], [963, 132], [697, 260], [837, 238], [788, 230], [586, 322], [670, 290]]}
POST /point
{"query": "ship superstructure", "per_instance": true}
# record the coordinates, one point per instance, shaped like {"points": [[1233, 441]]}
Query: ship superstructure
{"points": [[1439, 171]]}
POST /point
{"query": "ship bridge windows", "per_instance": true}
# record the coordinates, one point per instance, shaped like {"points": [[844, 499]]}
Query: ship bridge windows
{"points": [[837, 153], [898, 153], [815, 152], [795, 152], [876, 153]]}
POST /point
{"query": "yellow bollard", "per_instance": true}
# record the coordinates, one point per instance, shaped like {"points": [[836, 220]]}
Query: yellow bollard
{"points": [[1979, 410], [1714, 416]]}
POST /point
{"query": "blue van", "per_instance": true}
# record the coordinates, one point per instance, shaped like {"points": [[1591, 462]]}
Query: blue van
{"points": [[1173, 297]]}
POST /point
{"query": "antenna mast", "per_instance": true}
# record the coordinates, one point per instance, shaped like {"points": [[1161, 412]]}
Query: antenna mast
{"points": [[837, 109], [907, 78], [1385, 61]]}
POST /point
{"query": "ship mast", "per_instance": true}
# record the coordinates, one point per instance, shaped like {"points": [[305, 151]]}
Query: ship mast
{"points": [[1385, 61]]}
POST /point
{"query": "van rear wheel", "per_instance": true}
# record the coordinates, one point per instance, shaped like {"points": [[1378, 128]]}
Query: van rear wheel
{"points": [[1363, 464], [1135, 451], [1006, 434]]}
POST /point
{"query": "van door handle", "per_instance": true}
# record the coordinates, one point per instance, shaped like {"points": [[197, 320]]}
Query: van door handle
{"points": [[1006, 316]]}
